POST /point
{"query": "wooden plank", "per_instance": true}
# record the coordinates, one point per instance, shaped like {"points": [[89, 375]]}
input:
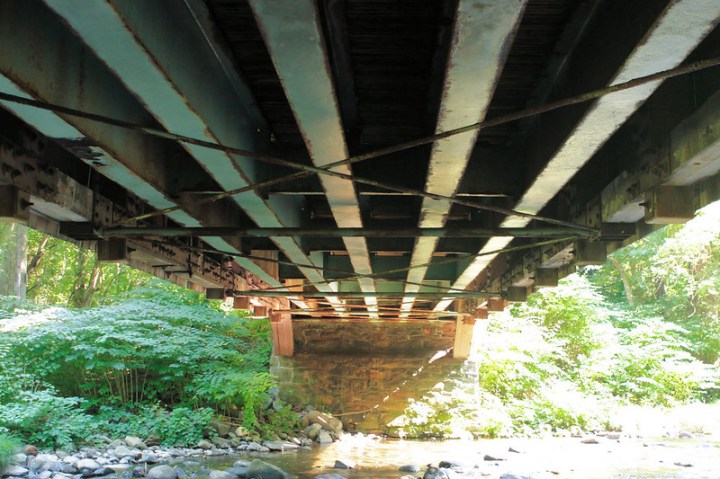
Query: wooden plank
{"points": [[464, 326]]}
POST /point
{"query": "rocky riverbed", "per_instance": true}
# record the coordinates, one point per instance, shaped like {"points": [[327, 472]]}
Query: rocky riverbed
{"points": [[323, 451]]}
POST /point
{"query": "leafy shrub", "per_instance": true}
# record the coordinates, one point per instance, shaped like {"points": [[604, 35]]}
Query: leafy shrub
{"points": [[48, 420], [9, 445], [154, 349], [180, 426]]}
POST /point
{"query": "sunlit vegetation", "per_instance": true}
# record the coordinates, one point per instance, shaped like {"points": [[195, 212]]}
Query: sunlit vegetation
{"points": [[106, 350], [158, 360], [641, 331]]}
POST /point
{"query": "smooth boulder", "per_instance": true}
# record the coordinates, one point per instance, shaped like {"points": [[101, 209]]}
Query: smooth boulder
{"points": [[162, 472], [215, 474], [262, 470]]}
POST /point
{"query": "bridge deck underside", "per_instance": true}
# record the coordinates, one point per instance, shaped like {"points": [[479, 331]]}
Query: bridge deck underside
{"points": [[219, 127]]}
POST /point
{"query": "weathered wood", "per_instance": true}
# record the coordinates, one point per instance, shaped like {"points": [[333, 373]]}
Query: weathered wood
{"points": [[496, 304], [241, 302], [112, 251], [668, 204], [260, 310], [282, 334], [464, 326], [270, 267]]}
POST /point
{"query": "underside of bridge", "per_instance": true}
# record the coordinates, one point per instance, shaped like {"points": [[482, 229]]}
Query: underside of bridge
{"points": [[358, 160]]}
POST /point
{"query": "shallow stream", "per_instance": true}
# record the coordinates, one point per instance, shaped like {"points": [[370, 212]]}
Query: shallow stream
{"points": [[536, 458]]}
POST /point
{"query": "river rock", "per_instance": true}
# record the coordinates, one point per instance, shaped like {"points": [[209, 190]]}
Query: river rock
{"points": [[324, 437], [241, 463], [237, 471], [344, 464], [589, 440], [281, 445], [149, 458], [215, 474], [45, 462], [205, 444], [329, 476], [132, 441], [69, 469], [162, 472], [220, 442], [60, 475], [450, 465], [31, 450], [433, 472], [326, 421], [124, 451], [89, 464], [99, 472], [262, 470], [490, 457], [221, 428], [685, 435], [153, 439], [15, 471], [242, 431], [409, 468], [254, 446], [313, 430]]}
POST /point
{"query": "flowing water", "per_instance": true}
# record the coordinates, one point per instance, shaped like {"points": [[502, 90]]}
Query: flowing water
{"points": [[537, 458]]}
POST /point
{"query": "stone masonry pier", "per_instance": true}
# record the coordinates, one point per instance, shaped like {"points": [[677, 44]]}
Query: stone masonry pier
{"points": [[365, 371]]}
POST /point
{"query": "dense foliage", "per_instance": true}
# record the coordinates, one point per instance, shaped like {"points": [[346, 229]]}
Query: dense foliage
{"points": [[644, 329], [162, 356], [9, 445]]}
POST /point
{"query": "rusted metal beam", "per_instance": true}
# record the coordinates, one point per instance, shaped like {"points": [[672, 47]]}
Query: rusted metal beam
{"points": [[187, 88], [291, 30], [481, 35], [451, 232]]}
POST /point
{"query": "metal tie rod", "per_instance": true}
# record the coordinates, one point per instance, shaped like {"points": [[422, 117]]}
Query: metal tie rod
{"points": [[360, 294]]}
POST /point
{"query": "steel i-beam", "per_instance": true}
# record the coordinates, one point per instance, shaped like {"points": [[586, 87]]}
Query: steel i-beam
{"points": [[482, 33], [292, 33], [682, 25]]}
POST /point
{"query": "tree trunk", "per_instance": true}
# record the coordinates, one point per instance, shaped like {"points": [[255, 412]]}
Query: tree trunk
{"points": [[626, 281]]}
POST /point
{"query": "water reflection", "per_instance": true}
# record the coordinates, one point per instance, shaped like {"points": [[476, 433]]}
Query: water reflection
{"points": [[537, 458]]}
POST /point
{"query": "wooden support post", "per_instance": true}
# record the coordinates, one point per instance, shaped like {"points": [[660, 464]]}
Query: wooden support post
{"points": [[241, 302], [215, 293], [517, 294], [496, 304], [464, 326], [546, 277], [282, 334], [590, 252], [112, 251], [481, 313], [14, 205], [667, 204], [260, 310]]}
